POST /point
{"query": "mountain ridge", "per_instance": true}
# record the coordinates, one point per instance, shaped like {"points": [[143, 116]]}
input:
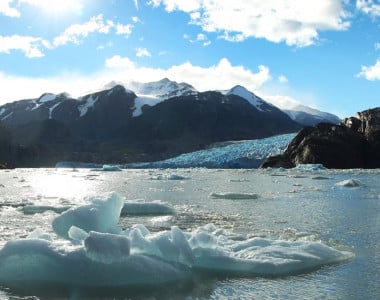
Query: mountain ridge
{"points": [[118, 125]]}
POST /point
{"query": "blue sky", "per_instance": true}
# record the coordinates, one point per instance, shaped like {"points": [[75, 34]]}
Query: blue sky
{"points": [[322, 53]]}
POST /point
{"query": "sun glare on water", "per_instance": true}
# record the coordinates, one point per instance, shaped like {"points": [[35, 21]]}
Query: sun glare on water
{"points": [[65, 185]]}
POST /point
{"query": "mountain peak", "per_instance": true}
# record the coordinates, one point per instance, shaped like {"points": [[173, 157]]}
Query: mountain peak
{"points": [[164, 88], [254, 100]]}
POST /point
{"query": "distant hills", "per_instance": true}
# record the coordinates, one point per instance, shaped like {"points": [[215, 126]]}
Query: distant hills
{"points": [[141, 122]]}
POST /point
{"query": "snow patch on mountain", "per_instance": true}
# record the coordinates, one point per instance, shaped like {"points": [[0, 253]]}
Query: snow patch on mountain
{"points": [[51, 109], [2, 111], [89, 102], [163, 89], [7, 116], [242, 92], [142, 100], [47, 97]]}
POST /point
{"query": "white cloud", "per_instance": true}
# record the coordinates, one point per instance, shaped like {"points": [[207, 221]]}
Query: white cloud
{"points": [[368, 7], [295, 22], [136, 4], [7, 10], [222, 75], [76, 32], [142, 52], [281, 101], [125, 30], [119, 62], [30, 46], [372, 72], [282, 79], [136, 19], [203, 78]]}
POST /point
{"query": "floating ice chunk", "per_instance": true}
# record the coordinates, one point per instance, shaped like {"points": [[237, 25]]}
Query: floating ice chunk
{"points": [[234, 196], [107, 248], [169, 177], [146, 208], [138, 258], [349, 183], [310, 167], [320, 178], [101, 215], [110, 168], [176, 177], [34, 262], [39, 209]]}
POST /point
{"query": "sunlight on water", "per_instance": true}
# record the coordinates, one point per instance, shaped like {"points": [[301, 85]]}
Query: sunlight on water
{"points": [[64, 185]]}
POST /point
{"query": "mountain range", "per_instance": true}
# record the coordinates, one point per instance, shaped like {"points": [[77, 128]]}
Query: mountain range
{"points": [[144, 122]]}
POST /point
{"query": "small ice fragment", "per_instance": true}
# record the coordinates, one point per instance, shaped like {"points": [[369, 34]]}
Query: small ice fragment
{"points": [[349, 183], [146, 208], [175, 177], [234, 196], [110, 168]]}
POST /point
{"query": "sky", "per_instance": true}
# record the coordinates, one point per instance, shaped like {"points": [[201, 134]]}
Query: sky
{"points": [[320, 53]]}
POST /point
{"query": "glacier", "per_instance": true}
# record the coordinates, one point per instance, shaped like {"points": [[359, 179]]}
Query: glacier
{"points": [[92, 252], [240, 154]]}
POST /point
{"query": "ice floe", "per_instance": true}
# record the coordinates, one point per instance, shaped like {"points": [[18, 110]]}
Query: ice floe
{"points": [[146, 208], [234, 196], [96, 253], [39, 209]]}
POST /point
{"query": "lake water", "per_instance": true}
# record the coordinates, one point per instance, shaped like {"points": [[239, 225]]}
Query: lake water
{"points": [[291, 205]]}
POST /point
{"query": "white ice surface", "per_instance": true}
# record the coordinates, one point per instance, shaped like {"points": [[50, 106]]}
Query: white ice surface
{"points": [[137, 257]]}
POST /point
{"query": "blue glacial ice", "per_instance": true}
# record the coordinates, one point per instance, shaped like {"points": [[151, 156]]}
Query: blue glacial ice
{"points": [[240, 154], [243, 154], [96, 253]]}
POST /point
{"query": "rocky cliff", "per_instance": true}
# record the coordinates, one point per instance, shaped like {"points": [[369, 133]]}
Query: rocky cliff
{"points": [[354, 143]]}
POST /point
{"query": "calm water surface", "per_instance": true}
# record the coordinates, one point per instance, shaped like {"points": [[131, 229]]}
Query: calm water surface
{"points": [[292, 205]]}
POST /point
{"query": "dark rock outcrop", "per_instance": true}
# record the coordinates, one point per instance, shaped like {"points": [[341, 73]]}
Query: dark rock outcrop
{"points": [[354, 143]]}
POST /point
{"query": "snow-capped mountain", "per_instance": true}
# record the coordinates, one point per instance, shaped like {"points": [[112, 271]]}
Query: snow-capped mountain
{"points": [[308, 116], [254, 100], [140, 121]]}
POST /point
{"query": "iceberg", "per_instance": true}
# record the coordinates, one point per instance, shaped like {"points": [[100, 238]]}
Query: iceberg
{"points": [[96, 253]]}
